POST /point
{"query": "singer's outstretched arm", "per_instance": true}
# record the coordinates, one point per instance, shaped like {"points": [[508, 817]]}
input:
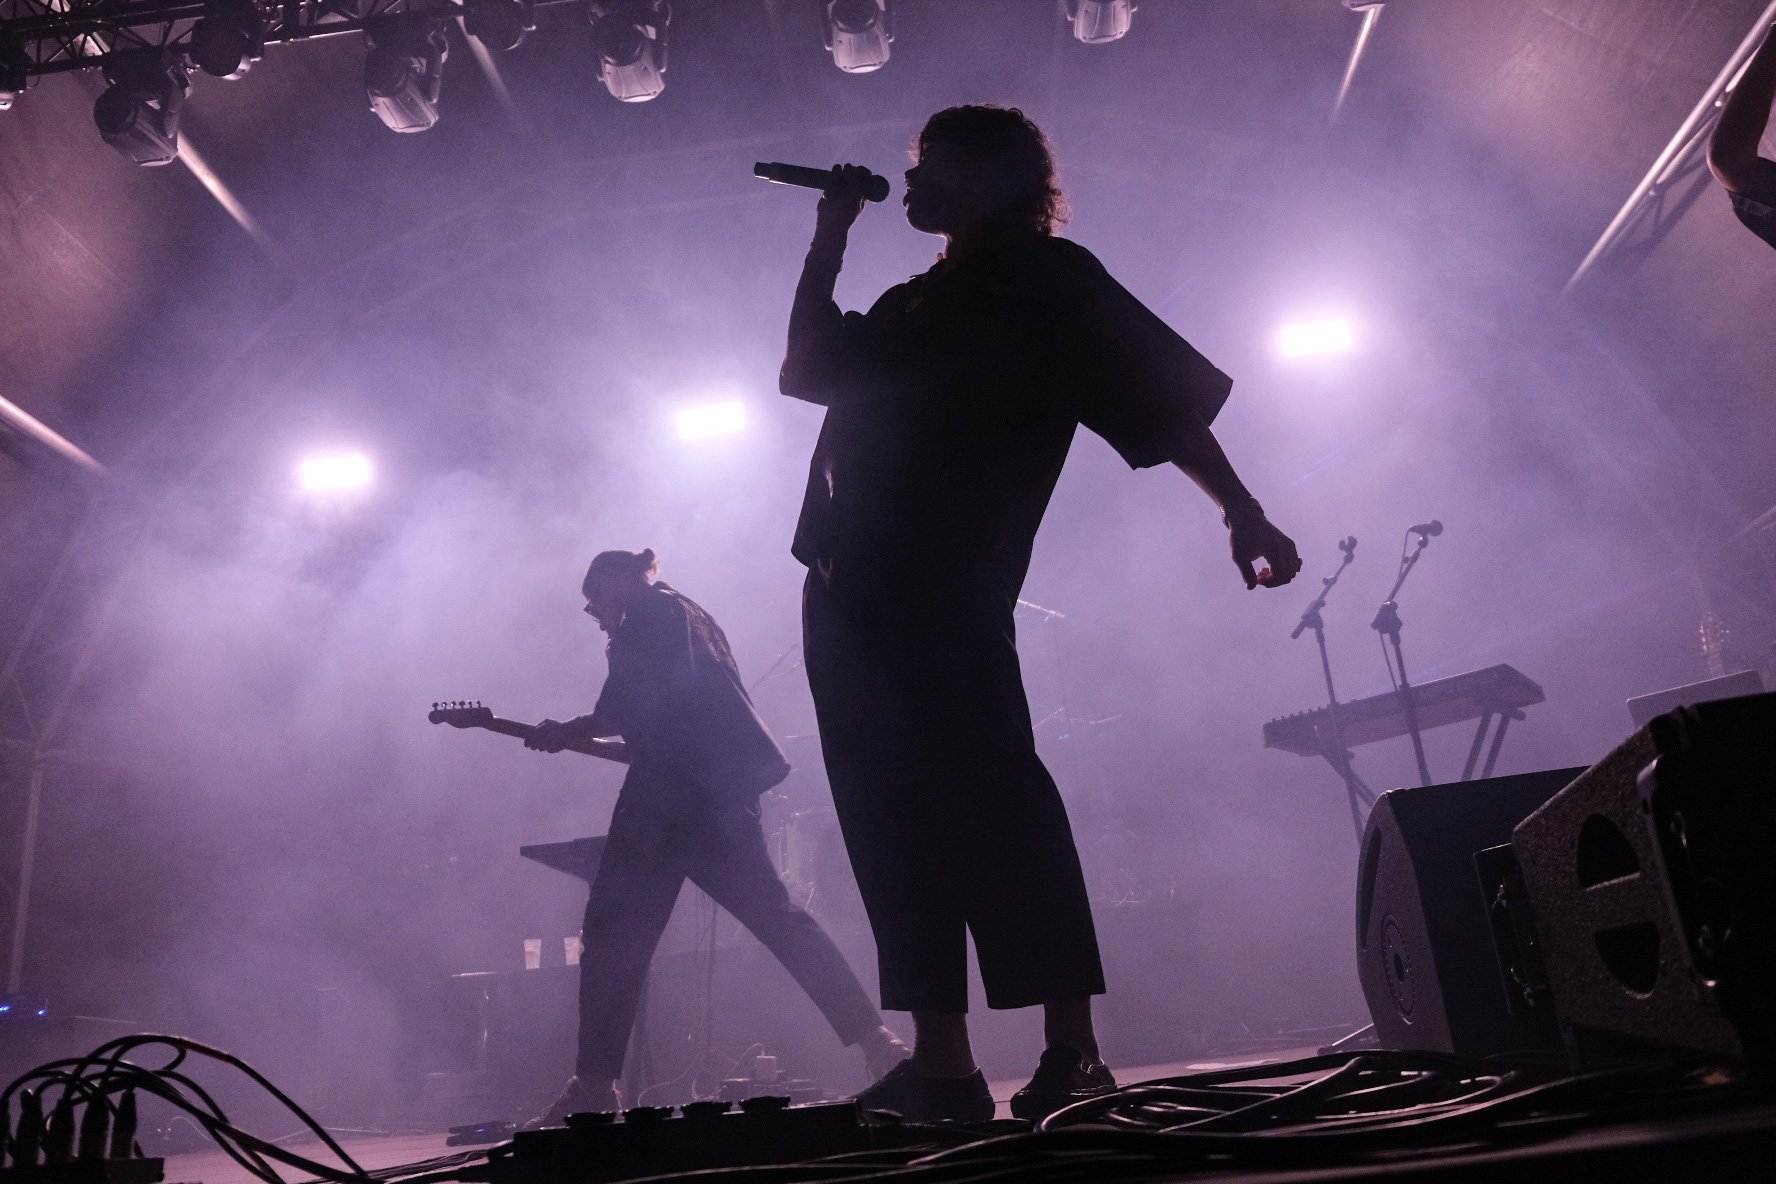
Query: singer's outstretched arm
{"points": [[821, 339], [1251, 536], [1733, 151]]}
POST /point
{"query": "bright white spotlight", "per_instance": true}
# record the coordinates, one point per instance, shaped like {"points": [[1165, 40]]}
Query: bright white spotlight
{"points": [[334, 472], [704, 420], [859, 33], [1305, 338], [1098, 22], [629, 37]]}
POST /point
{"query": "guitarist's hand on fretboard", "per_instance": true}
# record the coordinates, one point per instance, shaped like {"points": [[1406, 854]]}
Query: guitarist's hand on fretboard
{"points": [[549, 736]]}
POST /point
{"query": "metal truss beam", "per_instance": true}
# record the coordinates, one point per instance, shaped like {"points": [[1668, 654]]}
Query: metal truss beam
{"points": [[64, 36], [1680, 158]]}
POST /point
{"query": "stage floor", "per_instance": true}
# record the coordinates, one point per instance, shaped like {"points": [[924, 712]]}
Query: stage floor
{"points": [[1736, 1143], [379, 1150]]}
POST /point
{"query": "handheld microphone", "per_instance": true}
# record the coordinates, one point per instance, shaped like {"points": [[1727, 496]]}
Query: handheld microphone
{"points": [[1426, 530], [874, 189]]}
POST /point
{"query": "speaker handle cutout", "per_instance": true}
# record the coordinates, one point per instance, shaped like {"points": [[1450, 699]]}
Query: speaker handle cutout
{"points": [[1604, 853], [1631, 953]]}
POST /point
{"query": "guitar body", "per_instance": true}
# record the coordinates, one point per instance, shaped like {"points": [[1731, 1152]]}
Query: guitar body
{"points": [[459, 714]]}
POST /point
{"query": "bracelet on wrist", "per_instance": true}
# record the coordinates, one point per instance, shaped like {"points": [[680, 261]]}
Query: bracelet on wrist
{"points": [[1247, 510]]}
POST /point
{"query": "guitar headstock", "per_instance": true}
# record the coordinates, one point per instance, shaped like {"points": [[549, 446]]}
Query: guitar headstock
{"points": [[460, 713]]}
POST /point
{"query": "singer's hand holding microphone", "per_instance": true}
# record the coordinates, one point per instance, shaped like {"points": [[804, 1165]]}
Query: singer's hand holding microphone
{"points": [[843, 188]]}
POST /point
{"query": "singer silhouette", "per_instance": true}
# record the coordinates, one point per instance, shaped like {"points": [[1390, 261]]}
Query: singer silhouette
{"points": [[951, 406]]}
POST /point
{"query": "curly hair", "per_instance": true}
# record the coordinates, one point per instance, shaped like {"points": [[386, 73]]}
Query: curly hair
{"points": [[1010, 139]]}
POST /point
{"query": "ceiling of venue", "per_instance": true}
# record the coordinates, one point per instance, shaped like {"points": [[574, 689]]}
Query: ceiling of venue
{"points": [[1557, 106]]}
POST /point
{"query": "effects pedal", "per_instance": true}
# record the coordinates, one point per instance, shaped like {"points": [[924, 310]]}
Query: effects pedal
{"points": [[652, 1140]]}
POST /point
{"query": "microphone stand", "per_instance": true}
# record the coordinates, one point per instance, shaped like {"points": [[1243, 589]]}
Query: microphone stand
{"points": [[776, 668], [1387, 623], [1359, 795]]}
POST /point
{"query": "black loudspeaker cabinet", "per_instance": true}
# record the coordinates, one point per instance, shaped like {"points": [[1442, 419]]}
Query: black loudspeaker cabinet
{"points": [[1653, 882], [1426, 953]]}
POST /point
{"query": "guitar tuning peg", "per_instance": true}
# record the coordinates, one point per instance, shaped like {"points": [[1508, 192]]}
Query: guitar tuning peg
{"points": [[434, 706]]}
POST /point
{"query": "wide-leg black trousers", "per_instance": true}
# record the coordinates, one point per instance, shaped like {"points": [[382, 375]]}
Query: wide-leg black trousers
{"points": [[660, 836], [953, 825]]}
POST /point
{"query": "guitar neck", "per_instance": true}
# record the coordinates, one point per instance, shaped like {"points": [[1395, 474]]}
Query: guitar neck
{"points": [[610, 750]]}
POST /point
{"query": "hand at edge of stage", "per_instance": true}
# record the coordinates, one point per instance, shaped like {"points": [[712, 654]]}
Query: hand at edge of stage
{"points": [[1252, 537]]}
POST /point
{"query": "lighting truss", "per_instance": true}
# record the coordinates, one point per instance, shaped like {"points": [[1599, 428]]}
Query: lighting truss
{"points": [[39, 37]]}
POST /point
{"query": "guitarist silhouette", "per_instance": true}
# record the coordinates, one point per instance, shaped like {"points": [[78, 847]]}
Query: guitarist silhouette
{"points": [[698, 758]]}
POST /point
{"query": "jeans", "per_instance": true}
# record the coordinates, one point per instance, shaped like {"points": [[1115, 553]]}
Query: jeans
{"points": [[663, 833]]}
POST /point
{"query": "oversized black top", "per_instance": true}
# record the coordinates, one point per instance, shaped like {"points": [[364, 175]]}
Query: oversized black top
{"points": [[1757, 214], [675, 697], [952, 403]]}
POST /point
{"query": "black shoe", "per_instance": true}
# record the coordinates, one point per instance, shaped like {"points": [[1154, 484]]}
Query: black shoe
{"points": [[1062, 1078], [580, 1097], [930, 1099]]}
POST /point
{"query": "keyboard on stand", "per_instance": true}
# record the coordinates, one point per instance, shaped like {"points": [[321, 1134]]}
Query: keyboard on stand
{"points": [[1496, 694]]}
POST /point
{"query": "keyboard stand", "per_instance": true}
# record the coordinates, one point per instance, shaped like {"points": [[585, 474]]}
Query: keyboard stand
{"points": [[1495, 696], [1356, 790], [1498, 741]]}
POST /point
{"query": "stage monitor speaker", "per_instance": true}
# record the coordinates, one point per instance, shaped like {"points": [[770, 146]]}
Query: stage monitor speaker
{"points": [[1653, 882], [1426, 953]]}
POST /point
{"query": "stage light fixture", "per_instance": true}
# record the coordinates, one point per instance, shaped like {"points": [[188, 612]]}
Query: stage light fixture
{"points": [[15, 74], [334, 472], [404, 70], [858, 33], [1332, 335], [500, 24], [228, 39], [629, 37], [138, 113], [701, 421], [1096, 22]]}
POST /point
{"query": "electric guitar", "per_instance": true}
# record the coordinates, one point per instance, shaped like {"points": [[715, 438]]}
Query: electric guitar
{"points": [[459, 714]]}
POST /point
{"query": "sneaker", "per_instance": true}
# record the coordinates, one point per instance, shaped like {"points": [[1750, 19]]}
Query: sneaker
{"points": [[580, 1097], [1062, 1078], [917, 1098]]}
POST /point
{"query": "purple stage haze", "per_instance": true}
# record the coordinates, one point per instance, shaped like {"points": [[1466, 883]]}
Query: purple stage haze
{"points": [[251, 834]]}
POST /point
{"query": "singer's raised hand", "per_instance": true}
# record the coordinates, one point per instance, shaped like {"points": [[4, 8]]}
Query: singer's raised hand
{"points": [[1252, 537], [843, 201]]}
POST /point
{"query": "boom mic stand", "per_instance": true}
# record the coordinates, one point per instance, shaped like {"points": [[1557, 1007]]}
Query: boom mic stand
{"points": [[1387, 623], [1360, 796]]}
